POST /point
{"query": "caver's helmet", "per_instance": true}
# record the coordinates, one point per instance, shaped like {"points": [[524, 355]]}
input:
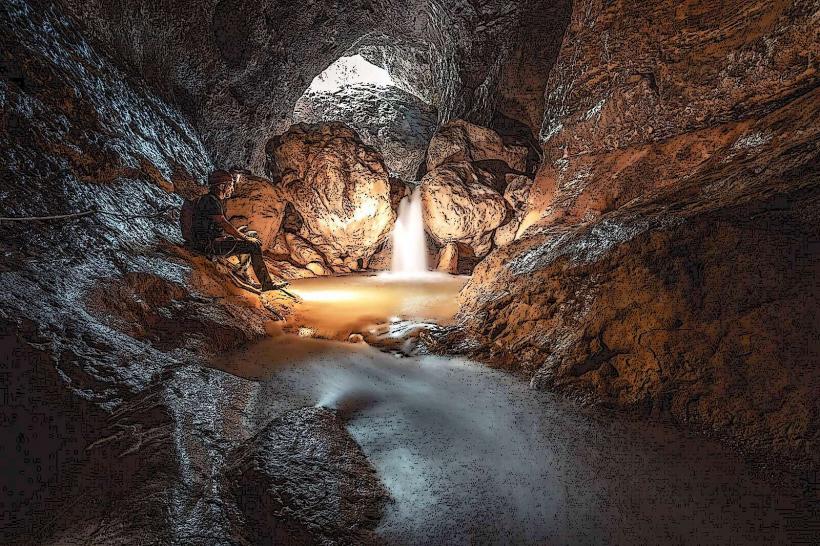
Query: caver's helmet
{"points": [[219, 178]]}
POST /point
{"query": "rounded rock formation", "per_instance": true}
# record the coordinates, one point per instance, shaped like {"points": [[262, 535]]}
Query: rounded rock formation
{"points": [[340, 188], [259, 205], [459, 140], [460, 206], [516, 194], [300, 250]]}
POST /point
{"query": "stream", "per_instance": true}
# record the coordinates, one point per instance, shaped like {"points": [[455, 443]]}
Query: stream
{"points": [[472, 455]]}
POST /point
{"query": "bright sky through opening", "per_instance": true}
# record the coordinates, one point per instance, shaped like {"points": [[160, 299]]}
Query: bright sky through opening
{"points": [[348, 71]]}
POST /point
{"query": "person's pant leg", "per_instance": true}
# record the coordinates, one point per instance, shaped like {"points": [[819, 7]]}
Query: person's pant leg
{"points": [[235, 247], [245, 259]]}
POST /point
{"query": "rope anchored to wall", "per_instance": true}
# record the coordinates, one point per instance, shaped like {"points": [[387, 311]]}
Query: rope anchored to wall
{"points": [[88, 212]]}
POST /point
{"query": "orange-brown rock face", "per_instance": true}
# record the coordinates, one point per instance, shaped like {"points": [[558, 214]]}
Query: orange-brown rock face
{"points": [[516, 194], [459, 140], [645, 92], [339, 187], [469, 166], [460, 205], [670, 260], [258, 204]]}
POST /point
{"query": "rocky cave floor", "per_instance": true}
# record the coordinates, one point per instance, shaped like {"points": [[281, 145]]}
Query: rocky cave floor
{"points": [[633, 188]]}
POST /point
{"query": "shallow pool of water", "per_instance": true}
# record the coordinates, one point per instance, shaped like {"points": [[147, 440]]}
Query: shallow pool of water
{"points": [[333, 307]]}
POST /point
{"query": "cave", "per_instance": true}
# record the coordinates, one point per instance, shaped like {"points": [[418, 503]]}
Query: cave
{"points": [[502, 272]]}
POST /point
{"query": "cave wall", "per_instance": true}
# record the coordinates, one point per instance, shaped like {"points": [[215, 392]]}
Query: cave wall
{"points": [[668, 257], [236, 68], [645, 92], [618, 292], [95, 309]]}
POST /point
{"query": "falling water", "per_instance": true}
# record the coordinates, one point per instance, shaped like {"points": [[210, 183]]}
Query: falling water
{"points": [[409, 249]]}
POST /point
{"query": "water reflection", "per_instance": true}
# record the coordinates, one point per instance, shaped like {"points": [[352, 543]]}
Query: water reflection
{"points": [[333, 307]]}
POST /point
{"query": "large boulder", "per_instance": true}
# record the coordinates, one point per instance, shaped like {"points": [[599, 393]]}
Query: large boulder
{"points": [[459, 140], [259, 205], [339, 187], [303, 480], [460, 206]]}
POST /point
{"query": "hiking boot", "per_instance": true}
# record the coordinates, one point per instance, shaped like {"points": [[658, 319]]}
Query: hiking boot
{"points": [[267, 287]]}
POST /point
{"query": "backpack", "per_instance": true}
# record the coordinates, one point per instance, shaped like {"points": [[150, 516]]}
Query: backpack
{"points": [[186, 218]]}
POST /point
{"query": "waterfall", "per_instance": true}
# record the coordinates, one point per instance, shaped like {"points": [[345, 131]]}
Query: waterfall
{"points": [[409, 248]]}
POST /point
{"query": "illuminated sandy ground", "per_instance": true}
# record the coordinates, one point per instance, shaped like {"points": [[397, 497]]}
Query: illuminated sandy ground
{"points": [[473, 455]]}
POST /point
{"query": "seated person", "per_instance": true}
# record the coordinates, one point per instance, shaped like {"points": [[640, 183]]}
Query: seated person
{"points": [[214, 235]]}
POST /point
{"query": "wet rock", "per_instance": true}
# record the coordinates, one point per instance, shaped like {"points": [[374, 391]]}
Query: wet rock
{"points": [[300, 250], [163, 313], [461, 206], [399, 189], [648, 272], [393, 121], [317, 268], [101, 305], [286, 270], [382, 259], [126, 469], [258, 204], [459, 140], [448, 258], [303, 480], [685, 300], [339, 187], [399, 337]]}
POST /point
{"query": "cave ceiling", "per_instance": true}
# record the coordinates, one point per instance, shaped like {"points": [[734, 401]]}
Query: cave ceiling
{"points": [[236, 68]]}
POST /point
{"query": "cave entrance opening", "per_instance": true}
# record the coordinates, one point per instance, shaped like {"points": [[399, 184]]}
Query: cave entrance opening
{"points": [[367, 98], [348, 71]]}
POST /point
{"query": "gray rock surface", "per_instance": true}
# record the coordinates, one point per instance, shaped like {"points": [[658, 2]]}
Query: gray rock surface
{"points": [[95, 309], [236, 68], [303, 480], [395, 122]]}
